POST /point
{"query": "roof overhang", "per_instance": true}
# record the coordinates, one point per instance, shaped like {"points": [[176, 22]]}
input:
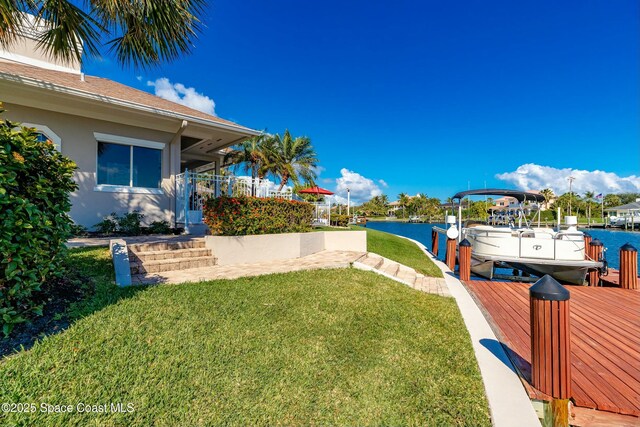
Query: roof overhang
{"points": [[53, 97]]}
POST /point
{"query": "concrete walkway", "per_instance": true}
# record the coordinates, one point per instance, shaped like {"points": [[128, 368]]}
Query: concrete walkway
{"points": [[508, 400], [403, 274], [323, 259]]}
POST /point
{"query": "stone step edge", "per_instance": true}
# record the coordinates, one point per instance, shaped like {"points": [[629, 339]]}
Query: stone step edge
{"points": [[134, 247], [360, 266], [168, 251], [171, 261]]}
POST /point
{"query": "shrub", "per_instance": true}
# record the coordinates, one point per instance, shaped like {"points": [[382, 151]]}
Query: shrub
{"points": [[78, 230], [339, 220], [159, 227], [229, 216], [108, 225], [128, 224], [35, 182]]}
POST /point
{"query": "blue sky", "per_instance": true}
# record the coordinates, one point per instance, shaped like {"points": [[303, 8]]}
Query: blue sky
{"points": [[429, 96]]}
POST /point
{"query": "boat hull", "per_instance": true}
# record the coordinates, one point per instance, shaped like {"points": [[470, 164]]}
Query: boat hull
{"points": [[562, 273]]}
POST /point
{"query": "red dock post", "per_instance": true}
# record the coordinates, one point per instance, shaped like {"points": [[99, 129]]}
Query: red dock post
{"points": [[434, 242], [550, 345], [464, 260], [450, 257], [587, 248], [596, 249], [628, 267]]}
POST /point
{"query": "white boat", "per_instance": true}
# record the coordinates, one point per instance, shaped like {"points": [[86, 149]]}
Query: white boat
{"points": [[532, 250], [630, 220]]}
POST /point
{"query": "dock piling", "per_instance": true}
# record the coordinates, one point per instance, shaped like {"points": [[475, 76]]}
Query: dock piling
{"points": [[596, 250], [628, 267], [464, 260], [550, 346], [450, 257], [434, 242], [587, 248]]}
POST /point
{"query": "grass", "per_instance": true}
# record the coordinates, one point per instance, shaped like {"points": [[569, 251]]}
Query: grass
{"points": [[400, 250], [324, 347]]}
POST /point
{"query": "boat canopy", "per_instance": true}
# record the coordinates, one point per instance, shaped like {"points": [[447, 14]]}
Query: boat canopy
{"points": [[520, 196]]}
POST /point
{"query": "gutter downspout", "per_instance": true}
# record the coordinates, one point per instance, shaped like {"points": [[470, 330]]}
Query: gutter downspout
{"points": [[174, 167]]}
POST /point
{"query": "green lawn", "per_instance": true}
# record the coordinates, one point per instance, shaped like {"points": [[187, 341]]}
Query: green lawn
{"points": [[325, 347], [400, 250]]}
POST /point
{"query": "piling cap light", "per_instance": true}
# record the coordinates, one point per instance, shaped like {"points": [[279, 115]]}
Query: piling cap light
{"points": [[452, 232], [451, 219], [628, 247], [549, 289], [586, 234], [571, 220], [465, 243]]}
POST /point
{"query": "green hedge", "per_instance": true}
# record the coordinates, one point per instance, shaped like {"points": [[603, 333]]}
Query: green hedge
{"points": [[35, 182], [339, 220], [239, 216]]}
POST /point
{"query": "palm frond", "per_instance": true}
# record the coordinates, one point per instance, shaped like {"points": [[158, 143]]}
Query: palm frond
{"points": [[150, 31], [69, 31]]}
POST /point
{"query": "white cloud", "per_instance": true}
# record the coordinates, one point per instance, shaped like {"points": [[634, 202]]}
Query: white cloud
{"points": [[383, 183], [179, 93], [536, 177], [361, 188]]}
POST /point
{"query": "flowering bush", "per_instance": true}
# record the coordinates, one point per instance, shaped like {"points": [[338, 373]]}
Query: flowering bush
{"points": [[239, 216], [35, 182]]}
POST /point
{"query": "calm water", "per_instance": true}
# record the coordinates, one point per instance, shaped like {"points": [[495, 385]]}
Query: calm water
{"points": [[612, 240]]}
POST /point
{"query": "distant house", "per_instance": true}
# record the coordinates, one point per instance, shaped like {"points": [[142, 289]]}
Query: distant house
{"points": [[130, 146], [628, 209]]}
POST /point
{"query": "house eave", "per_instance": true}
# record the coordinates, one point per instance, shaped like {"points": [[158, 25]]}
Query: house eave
{"points": [[116, 102]]}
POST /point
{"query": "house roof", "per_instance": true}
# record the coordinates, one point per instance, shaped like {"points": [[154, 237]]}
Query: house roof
{"points": [[101, 87], [632, 206]]}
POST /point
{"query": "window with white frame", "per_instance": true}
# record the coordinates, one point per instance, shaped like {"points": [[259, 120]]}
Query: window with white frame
{"points": [[45, 134], [128, 163]]}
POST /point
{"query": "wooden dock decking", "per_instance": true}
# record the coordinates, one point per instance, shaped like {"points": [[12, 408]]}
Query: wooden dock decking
{"points": [[605, 340]]}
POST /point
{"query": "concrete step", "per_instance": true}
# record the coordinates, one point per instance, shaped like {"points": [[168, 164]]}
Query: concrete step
{"points": [[169, 254], [167, 246], [159, 266], [407, 276], [372, 261], [389, 267]]}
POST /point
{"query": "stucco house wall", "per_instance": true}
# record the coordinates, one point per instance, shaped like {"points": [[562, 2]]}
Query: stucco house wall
{"points": [[79, 144]]}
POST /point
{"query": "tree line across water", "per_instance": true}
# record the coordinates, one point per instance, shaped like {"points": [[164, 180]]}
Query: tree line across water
{"points": [[586, 205]]}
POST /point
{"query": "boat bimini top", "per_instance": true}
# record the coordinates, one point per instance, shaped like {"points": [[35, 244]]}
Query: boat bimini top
{"points": [[520, 196]]}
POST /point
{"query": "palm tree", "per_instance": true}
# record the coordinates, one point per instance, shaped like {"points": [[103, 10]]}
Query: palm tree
{"points": [[250, 155], [588, 197], [403, 200], [291, 158], [548, 194], [141, 33]]}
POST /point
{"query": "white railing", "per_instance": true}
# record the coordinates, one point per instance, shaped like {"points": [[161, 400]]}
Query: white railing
{"points": [[193, 188]]}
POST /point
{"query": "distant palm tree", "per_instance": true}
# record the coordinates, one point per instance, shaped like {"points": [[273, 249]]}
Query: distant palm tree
{"points": [[291, 158], [588, 197], [403, 201], [249, 155], [141, 33], [548, 195]]}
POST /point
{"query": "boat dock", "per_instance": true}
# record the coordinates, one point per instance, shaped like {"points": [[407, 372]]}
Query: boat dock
{"points": [[605, 346]]}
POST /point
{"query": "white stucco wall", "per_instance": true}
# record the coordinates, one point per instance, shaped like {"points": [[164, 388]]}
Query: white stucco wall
{"points": [[80, 145], [272, 247]]}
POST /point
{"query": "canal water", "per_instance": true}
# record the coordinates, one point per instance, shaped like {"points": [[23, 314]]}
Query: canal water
{"points": [[612, 239]]}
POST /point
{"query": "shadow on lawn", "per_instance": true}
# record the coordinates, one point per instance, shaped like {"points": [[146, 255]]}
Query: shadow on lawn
{"points": [[87, 286]]}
